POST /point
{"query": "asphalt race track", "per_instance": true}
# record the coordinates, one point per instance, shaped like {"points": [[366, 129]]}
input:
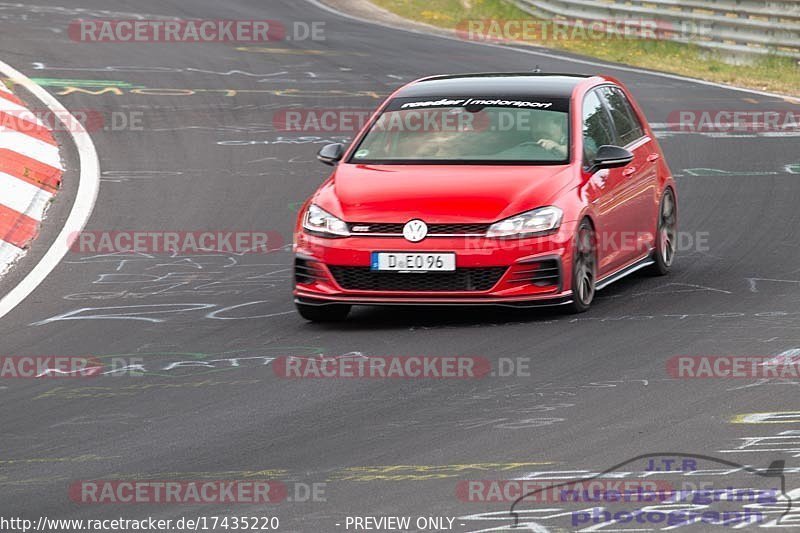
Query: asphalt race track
{"points": [[596, 391]]}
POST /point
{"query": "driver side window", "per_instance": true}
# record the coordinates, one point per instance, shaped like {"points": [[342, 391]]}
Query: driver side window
{"points": [[597, 128]]}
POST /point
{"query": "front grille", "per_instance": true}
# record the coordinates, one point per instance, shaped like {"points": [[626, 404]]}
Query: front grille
{"points": [[306, 271], [462, 279], [458, 228], [433, 229], [544, 273]]}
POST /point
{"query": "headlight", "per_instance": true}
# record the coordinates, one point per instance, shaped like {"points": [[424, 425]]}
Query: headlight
{"points": [[542, 220], [317, 220]]}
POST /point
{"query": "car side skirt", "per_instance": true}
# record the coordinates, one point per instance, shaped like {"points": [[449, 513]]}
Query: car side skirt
{"points": [[639, 264]]}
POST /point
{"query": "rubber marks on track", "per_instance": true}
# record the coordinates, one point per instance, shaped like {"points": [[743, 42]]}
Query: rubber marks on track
{"points": [[30, 174]]}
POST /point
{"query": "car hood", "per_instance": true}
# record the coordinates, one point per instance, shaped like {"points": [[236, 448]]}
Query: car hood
{"points": [[439, 193]]}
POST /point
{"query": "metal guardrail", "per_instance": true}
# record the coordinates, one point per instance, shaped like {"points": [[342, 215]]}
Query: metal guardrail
{"points": [[736, 29]]}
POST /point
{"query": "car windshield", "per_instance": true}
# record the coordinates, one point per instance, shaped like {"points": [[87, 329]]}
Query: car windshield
{"points": [[491, 130]]}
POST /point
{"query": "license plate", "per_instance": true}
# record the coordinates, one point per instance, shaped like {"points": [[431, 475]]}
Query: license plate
{"points": [[413, 262]]}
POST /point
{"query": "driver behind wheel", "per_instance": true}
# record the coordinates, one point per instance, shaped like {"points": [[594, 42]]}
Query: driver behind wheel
{"points": [[554, 129]]}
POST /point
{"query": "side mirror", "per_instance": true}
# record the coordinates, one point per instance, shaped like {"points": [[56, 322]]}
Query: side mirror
{"points": [[609, 156], [331, 154]]}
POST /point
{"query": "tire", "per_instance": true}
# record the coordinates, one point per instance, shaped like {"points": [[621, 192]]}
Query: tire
{"points": [[584, 268], [666, 234], [323, 313]]}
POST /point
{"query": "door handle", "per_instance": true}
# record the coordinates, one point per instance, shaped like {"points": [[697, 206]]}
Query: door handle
{"points": [[653, 157], [628, 171]]}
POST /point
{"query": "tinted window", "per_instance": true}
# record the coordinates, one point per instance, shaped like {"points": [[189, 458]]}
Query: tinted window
{"points": [[474, 130], [628, 127], [597, 129]]}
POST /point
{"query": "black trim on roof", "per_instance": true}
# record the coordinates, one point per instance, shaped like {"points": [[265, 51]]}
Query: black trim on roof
{"points": [[486, 84], [504, 74]]}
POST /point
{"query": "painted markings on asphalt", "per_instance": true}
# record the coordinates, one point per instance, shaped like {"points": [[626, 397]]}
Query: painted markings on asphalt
{"points": [[278, 76], [294, 51], [460, 471], [791, 356], [121, 88], [775, 417], [230, 92], [224, 474], [155, 313], [664, 130], [59, 82], [49, 460], [424, 472], [341, 474], [718, 172], [786, 442], [787, 357], [79, 393]]}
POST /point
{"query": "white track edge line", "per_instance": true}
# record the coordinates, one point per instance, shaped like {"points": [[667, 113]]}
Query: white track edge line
{"points": [[85, 198], [551, 55]]}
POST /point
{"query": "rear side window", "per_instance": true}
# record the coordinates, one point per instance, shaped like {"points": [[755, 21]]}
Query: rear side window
{"points": [[597, 127], [628, 126]]}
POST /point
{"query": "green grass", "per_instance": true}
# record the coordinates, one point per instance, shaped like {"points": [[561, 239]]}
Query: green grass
{"points": [[769, 73]]}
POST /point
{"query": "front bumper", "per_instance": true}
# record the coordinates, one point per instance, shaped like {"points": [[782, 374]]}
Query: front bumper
{"points": [[509, 272]]}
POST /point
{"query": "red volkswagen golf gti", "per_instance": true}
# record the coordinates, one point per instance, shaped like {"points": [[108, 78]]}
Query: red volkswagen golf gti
{"points": [[487, 189]]}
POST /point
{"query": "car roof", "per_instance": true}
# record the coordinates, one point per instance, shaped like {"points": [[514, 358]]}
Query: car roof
{"points": [[506, 84]]}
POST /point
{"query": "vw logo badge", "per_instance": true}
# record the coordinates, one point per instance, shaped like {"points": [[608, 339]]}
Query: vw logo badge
{"points": [[415, 230]]}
